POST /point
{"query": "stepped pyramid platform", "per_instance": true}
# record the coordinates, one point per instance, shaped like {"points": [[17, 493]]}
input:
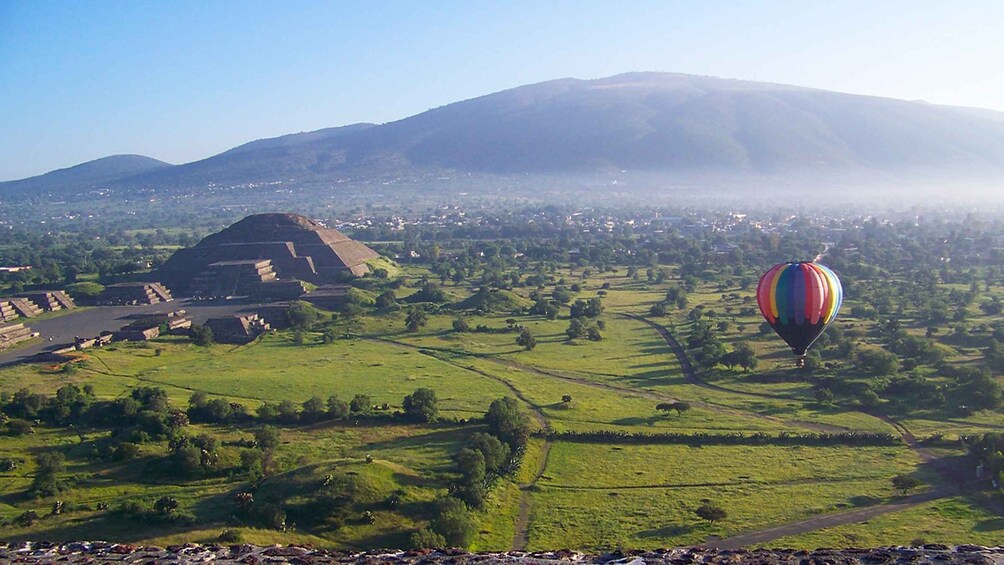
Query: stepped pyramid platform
{"points": [[25, 307], [237, 329], [49, 300], [149, 327], [253, 277], [328, 297], [133, 293], [14, 334], [232, 278], [296, 248], [7, 312]]}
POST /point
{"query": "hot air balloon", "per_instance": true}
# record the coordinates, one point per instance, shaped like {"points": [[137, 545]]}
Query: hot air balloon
{"points": [[799, 300]]}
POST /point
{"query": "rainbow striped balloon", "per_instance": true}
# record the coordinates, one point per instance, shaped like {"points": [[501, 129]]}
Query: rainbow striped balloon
{"points": [[799, 300]]}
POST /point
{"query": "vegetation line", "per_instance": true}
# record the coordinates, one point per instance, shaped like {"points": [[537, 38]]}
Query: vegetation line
{"points": [[806, 481]]}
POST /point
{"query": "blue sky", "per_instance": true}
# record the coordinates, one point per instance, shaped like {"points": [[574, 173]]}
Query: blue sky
{"points": [[183, 80]]}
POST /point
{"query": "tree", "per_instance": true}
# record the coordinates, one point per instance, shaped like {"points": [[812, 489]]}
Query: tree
{"points": [[301, 315], [461, 325], [745, 356], [824, 395], [415, 319], [337, 409], [507, 422], [49, 466], [202, 335], [711, 512], [904, 483], [386, 299], [471, 488], [873, 360], [495, 452], [426, 538], [165, 505], [268, 439], [361, 405], [710, 354], [421, 405], [587, 308], [314, 409], [526, 340], [658, 309], [576, 329], [453, 522]]}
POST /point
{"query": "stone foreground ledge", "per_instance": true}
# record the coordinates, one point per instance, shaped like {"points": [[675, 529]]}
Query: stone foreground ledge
{"points": [[103, 552]]}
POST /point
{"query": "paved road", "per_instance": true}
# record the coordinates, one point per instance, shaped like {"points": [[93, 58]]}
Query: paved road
{"points": [[93, 321]]}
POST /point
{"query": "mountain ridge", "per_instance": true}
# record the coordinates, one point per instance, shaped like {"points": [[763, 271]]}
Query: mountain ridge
{"points": [[657, 122]]}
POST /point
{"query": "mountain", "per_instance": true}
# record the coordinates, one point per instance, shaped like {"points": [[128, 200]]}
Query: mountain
{"points": [[92, 174], [294, 139], [655, 122]]}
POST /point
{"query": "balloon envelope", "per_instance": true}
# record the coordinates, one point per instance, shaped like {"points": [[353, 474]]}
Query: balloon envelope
{"points": [[799, 300]]}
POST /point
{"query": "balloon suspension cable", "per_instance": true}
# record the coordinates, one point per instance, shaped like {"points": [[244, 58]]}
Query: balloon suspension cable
{"points": [[800, 361]]}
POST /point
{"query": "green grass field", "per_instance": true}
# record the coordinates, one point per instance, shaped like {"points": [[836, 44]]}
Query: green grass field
{"points": [[590, 496]]}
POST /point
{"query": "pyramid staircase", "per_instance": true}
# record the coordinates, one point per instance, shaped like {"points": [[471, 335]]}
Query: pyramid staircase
{"points": [[49, 300], [25, 307], [7, 312]]}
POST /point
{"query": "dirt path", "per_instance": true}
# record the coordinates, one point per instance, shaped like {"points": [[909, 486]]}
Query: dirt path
{"points": [[521, 538], [827, 521], [690, 375], [638, 392]]}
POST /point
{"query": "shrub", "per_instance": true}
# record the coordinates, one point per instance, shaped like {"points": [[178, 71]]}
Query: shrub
{"points": [[711, 512], [426, 539], [231, 536], [361, 405], [201, 335]]}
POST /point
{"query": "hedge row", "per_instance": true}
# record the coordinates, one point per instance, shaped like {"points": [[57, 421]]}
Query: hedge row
{"points": [[734, 438]]}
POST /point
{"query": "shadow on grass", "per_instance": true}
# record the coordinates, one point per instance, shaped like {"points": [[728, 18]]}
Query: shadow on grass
{"points": [[863, 500], [415, 481], [448, 439], [667, 531], [989, 525], [638, 421], [104, 525]]}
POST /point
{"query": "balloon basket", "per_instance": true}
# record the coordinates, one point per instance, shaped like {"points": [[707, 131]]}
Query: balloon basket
{"points": [[800, 362]]}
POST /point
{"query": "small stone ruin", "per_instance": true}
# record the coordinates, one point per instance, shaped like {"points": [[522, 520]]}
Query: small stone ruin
{"points": [[237, 329], [134, 293], [149, 327], [13, 334]]}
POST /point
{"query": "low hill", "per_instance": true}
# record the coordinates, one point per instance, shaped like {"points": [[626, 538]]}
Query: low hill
{"points": [[91, 174]]}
